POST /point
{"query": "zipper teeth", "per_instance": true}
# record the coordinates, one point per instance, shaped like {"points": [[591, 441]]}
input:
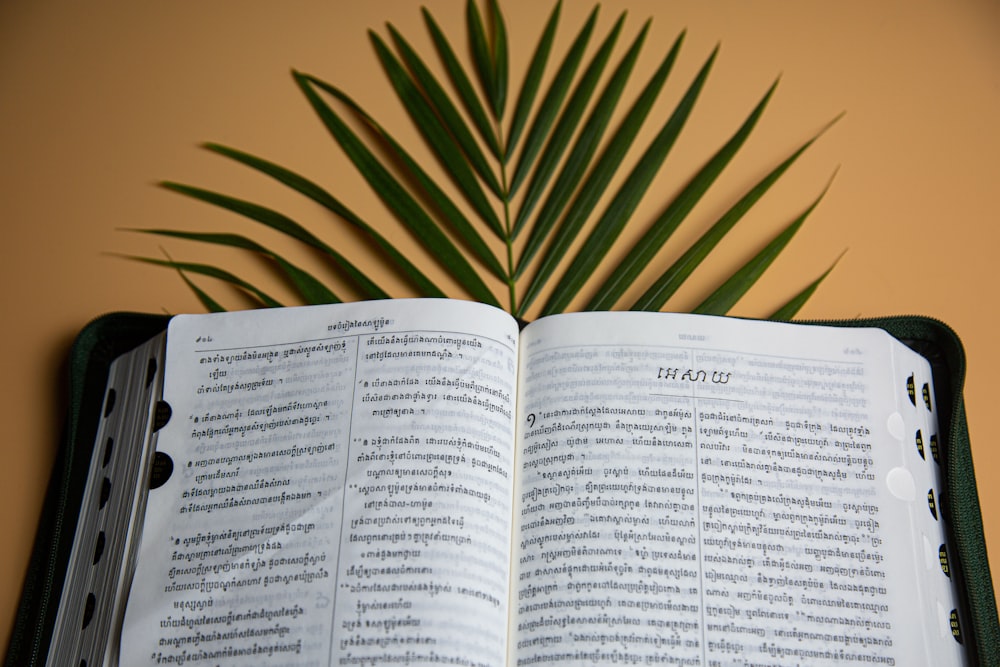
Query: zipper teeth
{"points": [[60, 516], [49, 577]]}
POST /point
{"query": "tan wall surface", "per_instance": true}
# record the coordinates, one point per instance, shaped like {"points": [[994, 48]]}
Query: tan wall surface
{"points": [[100, 100]]}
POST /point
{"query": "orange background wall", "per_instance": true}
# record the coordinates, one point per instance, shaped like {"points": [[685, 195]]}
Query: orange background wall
{"points": [[100, 100]]}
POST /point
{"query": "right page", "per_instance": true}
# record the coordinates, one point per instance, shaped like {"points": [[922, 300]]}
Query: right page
{"points": [[711, 491]]}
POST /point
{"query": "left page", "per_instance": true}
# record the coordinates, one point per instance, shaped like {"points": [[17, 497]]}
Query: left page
{"points": [[341, 489]]}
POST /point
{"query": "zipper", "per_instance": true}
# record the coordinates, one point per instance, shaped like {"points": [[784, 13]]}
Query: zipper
{"points": [[60, 520], [90, 340]]}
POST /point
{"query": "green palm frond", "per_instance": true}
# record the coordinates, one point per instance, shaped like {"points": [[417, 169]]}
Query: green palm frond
{"points": [[262, 298], [521, 169]]}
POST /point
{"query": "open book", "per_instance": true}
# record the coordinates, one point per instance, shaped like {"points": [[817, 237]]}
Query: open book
{"points": [[419, 482]]}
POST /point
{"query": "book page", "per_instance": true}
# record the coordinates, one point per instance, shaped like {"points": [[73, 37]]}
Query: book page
{"points": [[711, 491], [341, 491]]}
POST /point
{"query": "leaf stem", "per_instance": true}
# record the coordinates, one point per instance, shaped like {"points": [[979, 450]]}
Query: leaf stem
{"points": [[508, 230]]}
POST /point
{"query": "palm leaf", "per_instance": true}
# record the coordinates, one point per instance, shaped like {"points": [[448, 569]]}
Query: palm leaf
{"points": [[437, 136], [211, 305], [549, 108], [447, 112], [625, 202], [285, 225], [310, 289], [262, 297], [792, 307], [395, 195], [499, 54], [532, 81], [726, 296], [557, 146], [642, 253], [483, 57], [397, 261], [567, 124], [661, 230], [583, 150], [592, 189], [460, 80], [443, 204]]}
